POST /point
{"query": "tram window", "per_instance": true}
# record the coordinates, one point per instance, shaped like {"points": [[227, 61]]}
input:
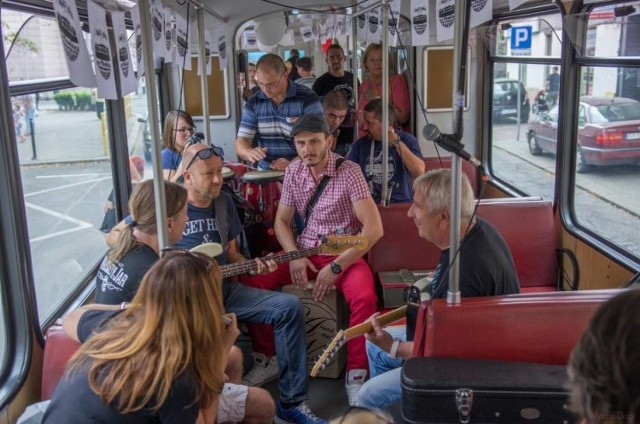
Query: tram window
{"points": [[66, 179], [30, 42], [545, 31], [516, 159], [613, 31], [608, 155]]}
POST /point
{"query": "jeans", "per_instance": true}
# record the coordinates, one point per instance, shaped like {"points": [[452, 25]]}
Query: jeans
{"points": [[285, 313], [383, 388]]}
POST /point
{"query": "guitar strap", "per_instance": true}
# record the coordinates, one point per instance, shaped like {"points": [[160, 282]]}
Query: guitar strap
{"points": [[220, 208], [316, 194]]}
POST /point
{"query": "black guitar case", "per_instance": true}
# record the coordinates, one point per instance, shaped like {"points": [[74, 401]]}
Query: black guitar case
{"points": [[444, 390]]}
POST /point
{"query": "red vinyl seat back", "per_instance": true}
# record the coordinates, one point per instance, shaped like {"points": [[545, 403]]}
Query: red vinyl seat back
{"points": [[540, 327], [58, 349], [528, 227]]}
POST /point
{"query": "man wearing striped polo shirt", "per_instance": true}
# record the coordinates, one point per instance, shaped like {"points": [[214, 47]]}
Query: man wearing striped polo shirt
{"points": [[268, 116]]}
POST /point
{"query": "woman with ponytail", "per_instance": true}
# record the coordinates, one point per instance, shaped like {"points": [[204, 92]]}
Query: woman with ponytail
{"points": [[137, 246]]}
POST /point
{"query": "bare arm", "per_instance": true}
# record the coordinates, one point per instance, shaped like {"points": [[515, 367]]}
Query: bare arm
{"points": [[282, 227], [413, 163], [71, 320], [247, 152]]}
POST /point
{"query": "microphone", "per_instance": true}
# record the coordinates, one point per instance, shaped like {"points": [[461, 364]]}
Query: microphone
{"points": [[449, 142], [196, 138]]}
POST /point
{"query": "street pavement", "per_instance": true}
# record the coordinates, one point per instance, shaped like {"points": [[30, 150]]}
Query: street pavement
{"points": [[67, 136]]}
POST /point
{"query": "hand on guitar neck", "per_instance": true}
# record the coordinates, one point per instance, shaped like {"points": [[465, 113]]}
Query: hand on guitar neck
{"points": [[365, 328]]}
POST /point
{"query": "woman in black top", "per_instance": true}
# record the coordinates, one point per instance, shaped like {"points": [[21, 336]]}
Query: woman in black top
{"points": [[158, 360]]}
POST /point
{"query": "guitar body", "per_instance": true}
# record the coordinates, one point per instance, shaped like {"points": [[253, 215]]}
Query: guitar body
{"points": [[344, 336]]}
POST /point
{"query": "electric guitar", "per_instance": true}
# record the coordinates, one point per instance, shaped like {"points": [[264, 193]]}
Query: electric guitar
{"points": [[331, 244], [344, 336]]}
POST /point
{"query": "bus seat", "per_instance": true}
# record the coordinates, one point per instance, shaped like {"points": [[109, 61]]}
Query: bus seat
{"points": [[538, 327], [526, 224], [58, 349]]}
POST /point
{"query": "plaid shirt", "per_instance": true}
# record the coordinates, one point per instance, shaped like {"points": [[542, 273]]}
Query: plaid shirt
{"points": [[333, 213], [271, 125]]}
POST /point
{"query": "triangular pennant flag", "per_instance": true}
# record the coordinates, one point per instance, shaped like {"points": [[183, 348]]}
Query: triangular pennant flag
{"points": [[135, 19], [419, 22], [128, 81], [105, 77]]}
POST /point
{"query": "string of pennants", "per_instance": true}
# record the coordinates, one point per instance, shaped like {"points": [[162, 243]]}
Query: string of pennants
{"points": [[369, 24], [171, 33]]}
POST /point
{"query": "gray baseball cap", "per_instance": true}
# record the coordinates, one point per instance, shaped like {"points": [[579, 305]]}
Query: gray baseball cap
{"points": [[311, 122]]}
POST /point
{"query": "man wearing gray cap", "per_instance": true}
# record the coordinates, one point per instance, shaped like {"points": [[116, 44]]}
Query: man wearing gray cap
{"points": [[344, 207]]}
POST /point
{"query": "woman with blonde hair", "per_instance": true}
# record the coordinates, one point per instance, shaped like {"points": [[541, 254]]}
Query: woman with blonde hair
{"points": [[137, 247], [160, 359], [371, 88], [176, 136]]}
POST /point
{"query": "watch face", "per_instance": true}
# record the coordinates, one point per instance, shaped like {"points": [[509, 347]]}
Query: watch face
{"points": [[335, 268]]}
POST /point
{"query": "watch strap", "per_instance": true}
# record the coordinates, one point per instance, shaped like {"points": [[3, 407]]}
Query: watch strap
{"points": [[393, 352]]}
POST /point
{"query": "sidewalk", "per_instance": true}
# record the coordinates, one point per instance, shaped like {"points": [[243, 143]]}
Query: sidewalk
{"points": [[67, 136]]}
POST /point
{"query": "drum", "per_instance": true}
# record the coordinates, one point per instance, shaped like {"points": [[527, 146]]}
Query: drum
{"points": [[262, 189]]}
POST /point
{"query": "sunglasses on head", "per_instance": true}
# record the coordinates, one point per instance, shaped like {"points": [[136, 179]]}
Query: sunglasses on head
{"points": [[206, 154]]}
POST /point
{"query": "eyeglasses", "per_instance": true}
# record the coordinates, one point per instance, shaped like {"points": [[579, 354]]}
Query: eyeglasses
{"points": [[185, 130], [206, 154], [271, 85]]}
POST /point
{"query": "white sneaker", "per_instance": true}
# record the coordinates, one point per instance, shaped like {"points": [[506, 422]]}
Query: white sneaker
{"points": [[263, 370], [354, 381]]}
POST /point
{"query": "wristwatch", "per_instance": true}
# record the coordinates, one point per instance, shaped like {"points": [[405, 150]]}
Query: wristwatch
{"points": [[335, 268], [396, 143]]}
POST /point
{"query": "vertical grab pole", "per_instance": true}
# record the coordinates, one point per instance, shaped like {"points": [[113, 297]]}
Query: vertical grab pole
{"points": [[152, 103], [354, 70], [385, 103], [459, 74], [202, 53]]}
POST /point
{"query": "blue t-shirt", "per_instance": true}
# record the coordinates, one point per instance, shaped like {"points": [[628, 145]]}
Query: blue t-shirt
{"points": [[202, 227], [170, 159], [399, 175]]}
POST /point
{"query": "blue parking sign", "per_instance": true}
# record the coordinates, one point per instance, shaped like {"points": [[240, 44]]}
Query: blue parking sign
{"points": [[521, 40]]}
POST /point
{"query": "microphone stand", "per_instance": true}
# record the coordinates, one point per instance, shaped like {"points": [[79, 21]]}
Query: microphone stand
{"points": [[460, 44]]}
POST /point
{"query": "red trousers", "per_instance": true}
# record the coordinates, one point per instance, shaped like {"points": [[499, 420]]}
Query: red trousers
{"points": [[355, 283]]}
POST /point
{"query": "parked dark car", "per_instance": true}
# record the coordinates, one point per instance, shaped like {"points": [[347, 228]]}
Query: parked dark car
{"points": [[505, 100], [608, 132]]}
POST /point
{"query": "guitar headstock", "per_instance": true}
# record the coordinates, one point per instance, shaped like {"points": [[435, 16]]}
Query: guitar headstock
{"points": [[328, 353], [338, 244]]}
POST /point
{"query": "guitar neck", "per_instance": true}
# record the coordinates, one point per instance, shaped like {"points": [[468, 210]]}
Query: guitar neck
{"points": [[384, 320], [245, 267]]}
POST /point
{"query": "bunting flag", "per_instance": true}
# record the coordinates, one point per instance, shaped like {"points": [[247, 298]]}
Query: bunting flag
{"points": [[446, 16], [481, 12], [135, 19], [516, 3], [249, 40], [288, 38], [207, 53], [361, 21], [105, 78], [75, 48], [221, 42], [182, 53], [307, 33], [393, 22], [128, 83], [374, 21], [419, 22], [157, 25], [168, 37]]}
